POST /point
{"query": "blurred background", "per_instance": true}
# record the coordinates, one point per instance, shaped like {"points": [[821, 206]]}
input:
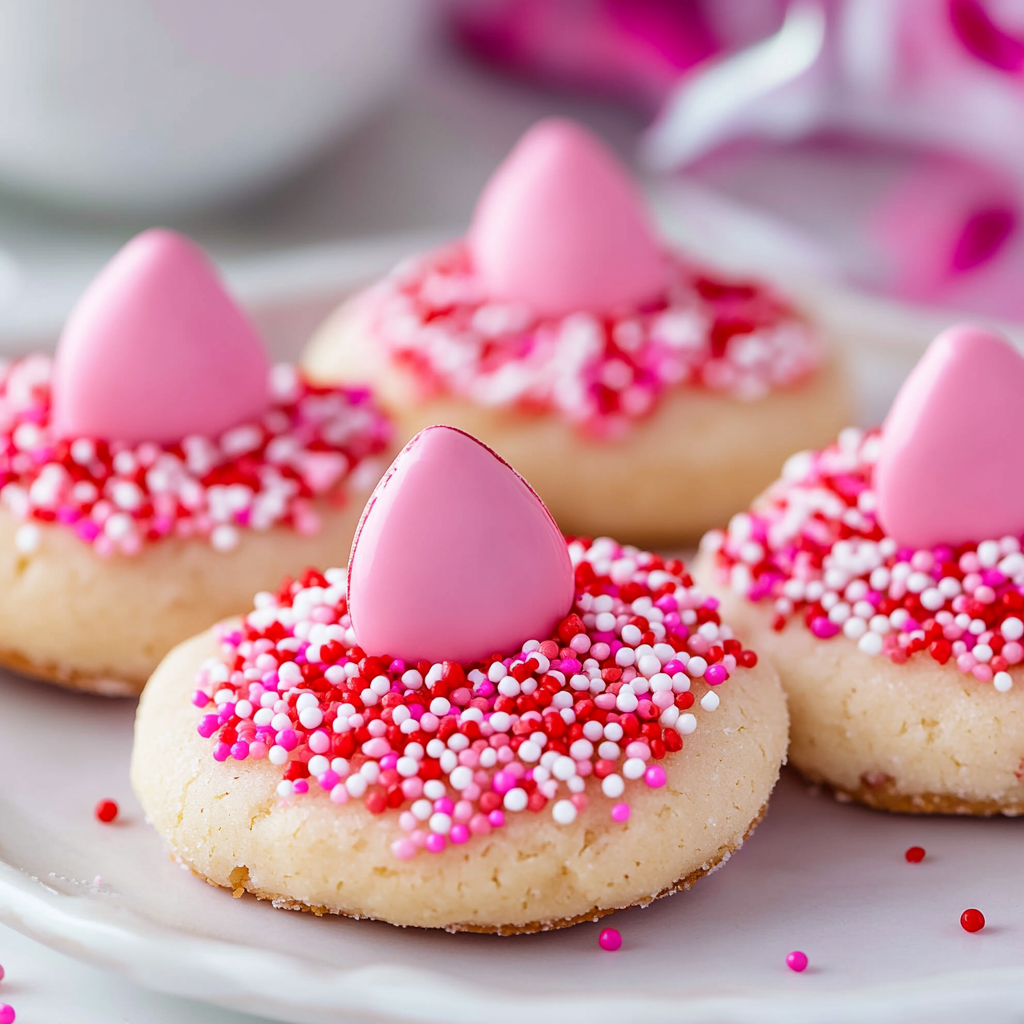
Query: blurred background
{"points": [[869, 153]]}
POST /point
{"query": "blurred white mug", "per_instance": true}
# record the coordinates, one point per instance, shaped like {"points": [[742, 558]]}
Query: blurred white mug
{"points": [[165, 105]]}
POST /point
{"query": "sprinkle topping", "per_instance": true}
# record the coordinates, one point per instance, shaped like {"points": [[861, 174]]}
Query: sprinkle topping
{"points": [[116, 496], [797, 961], [106, 811], [452, 749], [813, 546], [600, 372], [972, 920]]}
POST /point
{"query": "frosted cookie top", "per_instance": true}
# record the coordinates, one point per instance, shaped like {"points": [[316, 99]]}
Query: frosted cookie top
{"points": [[562, 299], [160, 416], [575, 658], [311, 443], [883, 536], [452, 748]]}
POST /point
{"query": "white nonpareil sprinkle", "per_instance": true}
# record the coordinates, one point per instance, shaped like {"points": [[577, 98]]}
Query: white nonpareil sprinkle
{"points": [[710, 701]]}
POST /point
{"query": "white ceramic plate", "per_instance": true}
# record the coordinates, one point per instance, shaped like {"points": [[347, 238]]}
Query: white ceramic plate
{"points": [[882, 935]]}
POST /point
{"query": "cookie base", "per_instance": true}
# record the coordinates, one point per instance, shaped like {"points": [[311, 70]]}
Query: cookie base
{"points": [[883, 796], [101, 625], [69, 678], [286, 903]]}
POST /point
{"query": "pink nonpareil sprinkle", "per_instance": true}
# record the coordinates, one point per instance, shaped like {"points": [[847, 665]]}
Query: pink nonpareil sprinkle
{"points": [[715, 675], [824, 629], [610, 939], [503, 782]]}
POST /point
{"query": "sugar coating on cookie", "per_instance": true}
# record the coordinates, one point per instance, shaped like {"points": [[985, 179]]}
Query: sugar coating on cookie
{"points": [[813, 548], [600, 372], [312, 442], [454, 749]]}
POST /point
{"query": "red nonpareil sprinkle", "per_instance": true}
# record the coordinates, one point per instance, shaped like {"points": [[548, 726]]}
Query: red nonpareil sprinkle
{"points": [[451, 750], [915, 854], [813, 549], [106, 811], [312, 444], [599, 372], [972, 920]]}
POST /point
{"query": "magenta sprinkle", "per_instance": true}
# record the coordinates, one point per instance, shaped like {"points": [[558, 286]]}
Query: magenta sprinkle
{"points": [[503, 782], [655, 776], [403, 849], [600, 373], [610, 939], [796, 961], [620, 812], [435, 842], [824, 629], [715, 675], [87, 530], [288, 739], [7, 1015]]}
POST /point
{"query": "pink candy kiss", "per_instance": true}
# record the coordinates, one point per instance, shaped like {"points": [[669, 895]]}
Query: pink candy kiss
{"points": [[561, 228], [455, 557], [951, 467], [155, 350]]}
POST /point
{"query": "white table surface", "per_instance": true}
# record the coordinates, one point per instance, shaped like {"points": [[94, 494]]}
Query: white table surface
{"points": [[45, 987]]}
